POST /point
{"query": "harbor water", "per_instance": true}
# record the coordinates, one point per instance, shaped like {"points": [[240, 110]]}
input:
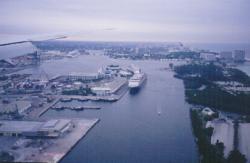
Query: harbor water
{"points": [[150, 126], [131, 129]]}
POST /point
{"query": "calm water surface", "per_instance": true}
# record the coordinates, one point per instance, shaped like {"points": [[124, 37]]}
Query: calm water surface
{"points": [[131, 130]]}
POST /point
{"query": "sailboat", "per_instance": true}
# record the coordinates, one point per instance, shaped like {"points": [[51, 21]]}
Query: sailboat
{"points": [[159, 110]]}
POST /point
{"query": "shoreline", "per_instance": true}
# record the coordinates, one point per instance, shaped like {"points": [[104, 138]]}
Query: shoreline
{"points": [[56, 149]]}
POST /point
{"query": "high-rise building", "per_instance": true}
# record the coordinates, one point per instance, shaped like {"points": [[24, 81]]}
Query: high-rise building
{"points": [[227, 55], [208, 56], [239, 55]]}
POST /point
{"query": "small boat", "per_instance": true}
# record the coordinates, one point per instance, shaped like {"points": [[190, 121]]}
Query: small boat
{"points": [[82, 99], [65, 99], [58, 107], [159, 110], [77, 108], [91, 107]]}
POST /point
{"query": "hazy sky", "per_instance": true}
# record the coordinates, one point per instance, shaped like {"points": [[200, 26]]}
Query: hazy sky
{"points": [[128, 20]]}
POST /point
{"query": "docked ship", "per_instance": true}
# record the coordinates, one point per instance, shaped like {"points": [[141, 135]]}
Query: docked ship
{"points": [[137, 80]]}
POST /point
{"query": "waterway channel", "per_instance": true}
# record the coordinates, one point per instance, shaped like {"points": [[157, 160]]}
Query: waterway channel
{"points": [[150, 126]]}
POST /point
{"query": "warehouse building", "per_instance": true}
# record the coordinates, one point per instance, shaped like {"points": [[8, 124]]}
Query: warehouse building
{"points": [[85, 76], [109, 88], [51, 128], [19, 106]]}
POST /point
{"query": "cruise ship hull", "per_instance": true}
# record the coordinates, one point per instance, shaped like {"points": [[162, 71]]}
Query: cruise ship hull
{"points": [[135, 86]]}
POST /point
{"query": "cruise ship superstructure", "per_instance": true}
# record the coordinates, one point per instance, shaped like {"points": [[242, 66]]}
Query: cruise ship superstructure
{"points": [[136, 81]]}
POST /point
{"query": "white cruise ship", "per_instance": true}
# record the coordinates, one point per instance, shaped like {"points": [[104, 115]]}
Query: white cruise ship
{"points": [[136, 81]]}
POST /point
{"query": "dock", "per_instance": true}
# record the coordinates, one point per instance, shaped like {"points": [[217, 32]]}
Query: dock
{"points": [[77, 108], [110, 98], [47, 107], [38, 112], [56, 149]]}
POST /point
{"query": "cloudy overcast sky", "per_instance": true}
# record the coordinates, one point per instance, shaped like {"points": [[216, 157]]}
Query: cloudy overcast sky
{"points": [[128, 20]]}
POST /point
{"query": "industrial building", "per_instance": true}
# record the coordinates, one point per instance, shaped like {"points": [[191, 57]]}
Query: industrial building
{"points": [[101, 91], [19, 106], [85, 76], [110, 87], [51, 128]]}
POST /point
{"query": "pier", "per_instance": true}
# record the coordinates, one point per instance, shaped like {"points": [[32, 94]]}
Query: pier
{"points": [[38, 112], [91, 98], [77, 108], [54, 151]]}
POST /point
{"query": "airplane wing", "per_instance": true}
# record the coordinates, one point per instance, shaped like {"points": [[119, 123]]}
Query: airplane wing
{"points": [[33, 40]]}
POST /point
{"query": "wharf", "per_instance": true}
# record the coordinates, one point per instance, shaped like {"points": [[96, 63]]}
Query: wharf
{"points": [[75, 107], [108, 98], [92, 98], [55, 150], [38, 112]]}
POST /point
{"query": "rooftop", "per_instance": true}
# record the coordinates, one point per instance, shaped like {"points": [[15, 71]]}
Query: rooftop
{"points": [[33, 126], [19, 126]]}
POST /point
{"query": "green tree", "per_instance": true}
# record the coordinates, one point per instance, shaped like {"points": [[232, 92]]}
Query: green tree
{"points": [[236, 157], [6, 157]]}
